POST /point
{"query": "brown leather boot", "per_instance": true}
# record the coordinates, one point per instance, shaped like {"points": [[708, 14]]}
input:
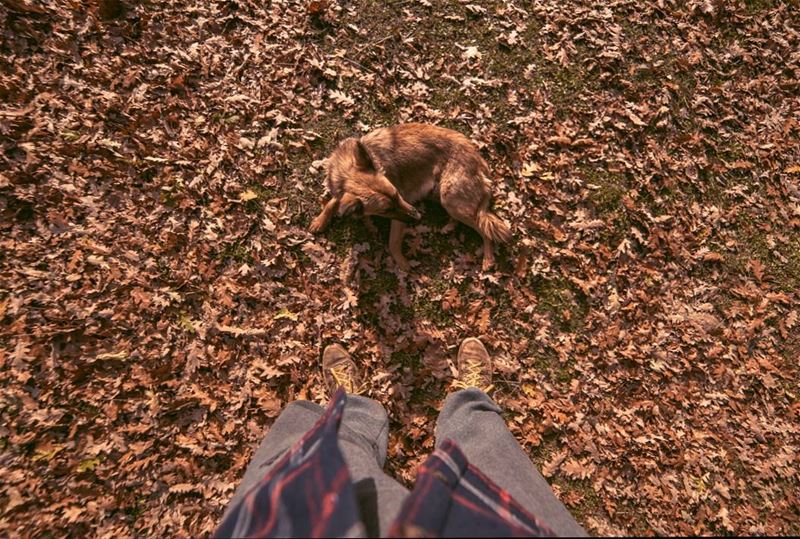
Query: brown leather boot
{"points": [[474, 366], [339, 370]]}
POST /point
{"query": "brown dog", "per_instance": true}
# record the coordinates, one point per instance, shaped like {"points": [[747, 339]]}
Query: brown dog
{"points": [[386, 171]]}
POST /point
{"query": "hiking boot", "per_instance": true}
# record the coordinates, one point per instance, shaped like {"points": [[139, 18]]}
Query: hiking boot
{"points": [[339, 370], [474, 366]]}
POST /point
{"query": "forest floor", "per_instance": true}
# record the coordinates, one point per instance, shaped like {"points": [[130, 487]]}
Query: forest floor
{"points": [[161, 299]]}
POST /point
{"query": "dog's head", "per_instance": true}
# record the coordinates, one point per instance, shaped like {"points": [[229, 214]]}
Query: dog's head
{"points": [[362, 188]]}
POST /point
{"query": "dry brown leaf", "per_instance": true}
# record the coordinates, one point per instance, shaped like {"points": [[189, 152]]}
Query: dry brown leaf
{"points": [[553, 465]]}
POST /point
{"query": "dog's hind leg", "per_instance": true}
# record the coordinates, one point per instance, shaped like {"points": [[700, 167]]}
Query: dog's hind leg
{"points": [[459, 214], [324, 218], [462, 197], [466, 199], [396, 233], [493, 230], [488, 254]]}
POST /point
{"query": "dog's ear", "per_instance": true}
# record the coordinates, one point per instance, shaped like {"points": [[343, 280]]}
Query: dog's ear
{"points": [[350, 204], [363, 158]]}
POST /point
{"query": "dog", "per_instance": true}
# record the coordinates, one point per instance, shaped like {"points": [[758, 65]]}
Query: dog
{"points": [[388, 170]]}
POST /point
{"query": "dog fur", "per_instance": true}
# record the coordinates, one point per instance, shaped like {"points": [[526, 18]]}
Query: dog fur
{"points": [[388, 170]]}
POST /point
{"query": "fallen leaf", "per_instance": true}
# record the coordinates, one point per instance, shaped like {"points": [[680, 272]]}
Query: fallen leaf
{"points": [[285, 313], [248, 195], [553, 465]]}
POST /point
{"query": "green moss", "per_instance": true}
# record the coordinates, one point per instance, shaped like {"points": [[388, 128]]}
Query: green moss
{"points": [[781, 262], [235, 252], [344, 233], [562, 300], [370, 293], [430, 310], [609, 188], [384, 282], [755, 6], [134, 510], [589, 503], [546, 361], [406, 359]]}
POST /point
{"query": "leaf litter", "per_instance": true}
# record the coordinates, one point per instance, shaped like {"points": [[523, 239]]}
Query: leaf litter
{"points": [[161, 299]]}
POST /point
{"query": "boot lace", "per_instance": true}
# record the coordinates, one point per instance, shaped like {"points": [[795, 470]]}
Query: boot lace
{"points": [[473, 376], [343, 376]]}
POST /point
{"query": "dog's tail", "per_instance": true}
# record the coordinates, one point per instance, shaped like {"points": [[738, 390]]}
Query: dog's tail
{"points": [[492, 227]]}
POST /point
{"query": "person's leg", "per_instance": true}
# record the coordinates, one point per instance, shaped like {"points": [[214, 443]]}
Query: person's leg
{"points": [[363, 439], [295, 420], [472, 420]]}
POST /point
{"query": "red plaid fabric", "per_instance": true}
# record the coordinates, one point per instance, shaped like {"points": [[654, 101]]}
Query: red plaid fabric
{"points": [[452, 498], [308, 493]]}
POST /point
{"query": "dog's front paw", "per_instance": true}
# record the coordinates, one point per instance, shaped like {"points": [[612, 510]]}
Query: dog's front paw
{"points": [[317, 226], [488, 264], [402, 263]]}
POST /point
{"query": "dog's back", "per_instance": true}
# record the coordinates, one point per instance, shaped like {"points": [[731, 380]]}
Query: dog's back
{"points": [[415, 156]]}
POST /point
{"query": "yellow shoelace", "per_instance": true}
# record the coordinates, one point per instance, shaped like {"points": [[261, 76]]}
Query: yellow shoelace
{"points": [[344, 378], [472, 377]]}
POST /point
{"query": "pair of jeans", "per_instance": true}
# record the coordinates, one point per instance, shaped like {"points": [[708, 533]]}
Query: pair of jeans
{"points": [[469, 417]]}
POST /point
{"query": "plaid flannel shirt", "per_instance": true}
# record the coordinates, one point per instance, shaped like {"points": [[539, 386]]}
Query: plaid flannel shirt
{"points": [[308, 493]]}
